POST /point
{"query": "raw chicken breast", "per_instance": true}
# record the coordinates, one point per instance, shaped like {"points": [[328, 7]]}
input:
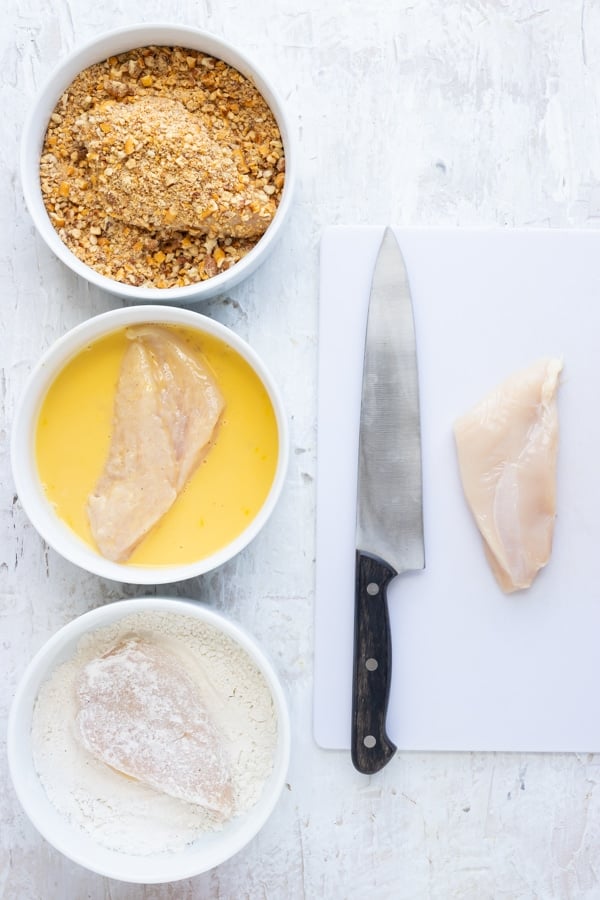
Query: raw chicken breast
{"points": [[140, 713], [167, 407], [507, 449]]}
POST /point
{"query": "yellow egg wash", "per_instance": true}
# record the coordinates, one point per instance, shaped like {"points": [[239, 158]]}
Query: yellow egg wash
{"points": [[223, 495]]}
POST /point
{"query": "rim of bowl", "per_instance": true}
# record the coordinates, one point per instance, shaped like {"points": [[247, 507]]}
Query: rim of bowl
{"points": [[97, 49], [38, 507], [171, 866]]}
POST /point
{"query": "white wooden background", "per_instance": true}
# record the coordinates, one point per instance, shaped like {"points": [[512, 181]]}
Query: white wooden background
{"points": [[421, 112]]}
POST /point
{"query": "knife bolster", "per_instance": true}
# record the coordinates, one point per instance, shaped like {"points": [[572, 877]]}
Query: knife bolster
{"points": [[370, 745]]}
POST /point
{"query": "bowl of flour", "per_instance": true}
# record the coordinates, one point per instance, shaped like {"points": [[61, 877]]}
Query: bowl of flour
{"points": [[149, 739]]}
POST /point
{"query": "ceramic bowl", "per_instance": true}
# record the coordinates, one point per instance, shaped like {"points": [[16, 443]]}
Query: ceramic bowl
{"points": [[210, 848], [32, 494], [104, 47]]}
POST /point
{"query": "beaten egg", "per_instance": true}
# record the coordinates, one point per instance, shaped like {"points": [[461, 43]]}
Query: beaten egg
{"points": [[221, 497]]}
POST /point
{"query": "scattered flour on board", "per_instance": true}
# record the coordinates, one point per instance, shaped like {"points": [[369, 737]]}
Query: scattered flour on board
{"points": [[127, 815]]}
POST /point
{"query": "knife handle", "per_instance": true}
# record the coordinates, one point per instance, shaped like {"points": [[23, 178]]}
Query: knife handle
{"points": [[370, 746]]}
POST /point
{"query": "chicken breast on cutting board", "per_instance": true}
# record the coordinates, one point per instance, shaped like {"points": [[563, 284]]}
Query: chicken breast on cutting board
{"points": [[139, 712], [507, 451], [167, 407]]}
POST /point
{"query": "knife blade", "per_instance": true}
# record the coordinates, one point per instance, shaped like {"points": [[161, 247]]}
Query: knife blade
{"points": [[389, 518]]}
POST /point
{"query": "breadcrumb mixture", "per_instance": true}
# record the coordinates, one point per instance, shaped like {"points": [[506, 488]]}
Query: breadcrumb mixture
{"points": [[161, 167]]}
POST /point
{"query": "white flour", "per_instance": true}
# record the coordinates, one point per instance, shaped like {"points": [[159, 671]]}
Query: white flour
{"points": [[124, 814]]}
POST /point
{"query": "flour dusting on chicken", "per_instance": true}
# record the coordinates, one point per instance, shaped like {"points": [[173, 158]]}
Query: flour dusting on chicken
{"points": [[141, 713]]}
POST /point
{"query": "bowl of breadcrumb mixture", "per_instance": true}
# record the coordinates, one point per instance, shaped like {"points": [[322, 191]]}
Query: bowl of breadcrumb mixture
{"points": [[157, 164]]}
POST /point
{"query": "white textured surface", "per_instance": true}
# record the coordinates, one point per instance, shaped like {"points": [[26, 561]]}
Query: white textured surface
{"points": [[420, 112]]}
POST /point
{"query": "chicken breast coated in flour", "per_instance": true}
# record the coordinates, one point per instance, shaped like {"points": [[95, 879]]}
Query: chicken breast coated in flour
{"points": [[507, 450], [167, 407], [140, 713]]}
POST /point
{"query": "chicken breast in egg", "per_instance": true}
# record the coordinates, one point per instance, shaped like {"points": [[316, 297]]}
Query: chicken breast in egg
{"points": [[167, 408]]}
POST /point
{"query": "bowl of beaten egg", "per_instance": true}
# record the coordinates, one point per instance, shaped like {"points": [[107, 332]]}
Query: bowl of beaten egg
{"points": [[112, 800], [150, 445], [157, 162]]}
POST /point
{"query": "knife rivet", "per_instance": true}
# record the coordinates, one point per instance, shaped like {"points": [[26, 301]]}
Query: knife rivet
{"points": [[371, 664], [369, 742], [372, 588]]}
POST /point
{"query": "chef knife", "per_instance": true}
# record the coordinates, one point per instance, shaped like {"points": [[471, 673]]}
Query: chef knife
{"points": [[389, 521]]}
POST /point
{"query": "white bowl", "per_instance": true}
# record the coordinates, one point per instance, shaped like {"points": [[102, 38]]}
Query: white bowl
{"points": [[34, 500], [97, 50], [210, 849]]}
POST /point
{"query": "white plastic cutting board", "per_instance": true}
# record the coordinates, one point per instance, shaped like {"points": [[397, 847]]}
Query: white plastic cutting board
{"points": [[473, 668]]}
